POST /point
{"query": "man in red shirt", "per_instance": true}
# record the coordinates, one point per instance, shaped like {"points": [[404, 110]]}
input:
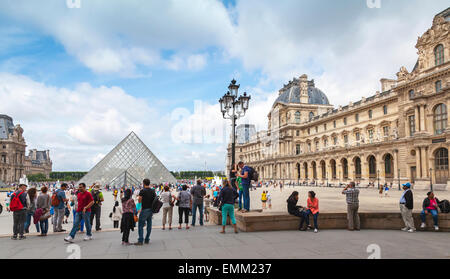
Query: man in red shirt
{"points": [[83, 212]]}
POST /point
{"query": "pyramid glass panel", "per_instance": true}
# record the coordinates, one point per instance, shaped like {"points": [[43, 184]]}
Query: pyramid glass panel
{"points": [[128, 164]]}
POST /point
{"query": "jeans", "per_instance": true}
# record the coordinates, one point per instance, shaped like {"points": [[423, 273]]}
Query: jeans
{"points": [[96, 212], [433, 212], [19, 218], [300, 214], [30, 215], [307, 213], [58, 219], [194, 213], [86, 217], [241, 194], [228, 209], [44, 226], [82, 221], [246, 189], [145, 217]]}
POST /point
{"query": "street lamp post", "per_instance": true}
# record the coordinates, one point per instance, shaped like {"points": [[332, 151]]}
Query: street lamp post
{"points": [[378, 177], [233, 107], [399, 179]]}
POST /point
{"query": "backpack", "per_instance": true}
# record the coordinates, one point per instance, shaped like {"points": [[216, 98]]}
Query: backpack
{"points": [[16, 204], [156, 205], [55, 199], [96, 196], [252, 174], [444, 206]]}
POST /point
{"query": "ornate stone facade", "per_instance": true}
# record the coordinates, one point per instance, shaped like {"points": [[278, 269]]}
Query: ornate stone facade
{"points": [[397, 135], [13, 162]]}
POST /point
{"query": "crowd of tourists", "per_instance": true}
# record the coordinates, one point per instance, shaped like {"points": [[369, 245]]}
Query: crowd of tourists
{"points": [[135, 206]]}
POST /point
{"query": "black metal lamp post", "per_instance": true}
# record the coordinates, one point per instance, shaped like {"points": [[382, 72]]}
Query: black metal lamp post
{"points": [[233, 107], [378, 177], [399, 179]]}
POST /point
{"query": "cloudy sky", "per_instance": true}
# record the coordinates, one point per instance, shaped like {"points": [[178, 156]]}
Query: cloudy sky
{"points": [[78, 80]]}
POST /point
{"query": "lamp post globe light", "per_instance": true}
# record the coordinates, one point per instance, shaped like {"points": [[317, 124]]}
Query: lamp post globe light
{"points": [[233, 107]]}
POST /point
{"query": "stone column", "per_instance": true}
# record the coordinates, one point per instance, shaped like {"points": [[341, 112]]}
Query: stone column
{"points": [[422, 118], [396, 166], [418, 164], [424, 159], [417, 118]]}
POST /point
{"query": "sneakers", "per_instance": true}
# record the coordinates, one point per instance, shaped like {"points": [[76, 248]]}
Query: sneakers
{"points": [[22, 237], [436, 228], [315, 230], [87, 238], [422, 226], [411, 230], [405, 229], [14, 237], [138, 243], [68, 239]]}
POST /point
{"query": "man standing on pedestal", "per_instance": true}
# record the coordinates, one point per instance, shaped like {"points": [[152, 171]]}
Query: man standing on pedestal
{"points": [[246, 184]]}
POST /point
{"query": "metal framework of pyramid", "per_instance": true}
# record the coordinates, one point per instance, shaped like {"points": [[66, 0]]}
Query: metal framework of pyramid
{"points": [[127, 165]]}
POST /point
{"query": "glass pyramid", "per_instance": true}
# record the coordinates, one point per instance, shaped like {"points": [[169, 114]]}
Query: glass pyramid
{"points": [[128, 164]]}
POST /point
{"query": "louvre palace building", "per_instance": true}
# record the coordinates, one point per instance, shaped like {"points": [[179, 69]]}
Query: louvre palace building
{"points": [[399, 134], [13, 161]]}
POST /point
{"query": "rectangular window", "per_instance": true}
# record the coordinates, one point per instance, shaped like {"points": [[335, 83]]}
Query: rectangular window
{"points": [[345, 139], [309, 131], [309, 147], [438, 86], [317, 129], [335, 140], [345, 120], [412, 125], [325, 127], [386, 131], [317, 145], [297, 133], [370, 114], [370, 133], [357, 117], [3, 158], [334, 124], [297, 149], [357, 136], [325, 142], [385, 109]]}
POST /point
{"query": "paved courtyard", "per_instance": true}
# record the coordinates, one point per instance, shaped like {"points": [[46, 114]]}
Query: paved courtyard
{"points": [[207, 243]]}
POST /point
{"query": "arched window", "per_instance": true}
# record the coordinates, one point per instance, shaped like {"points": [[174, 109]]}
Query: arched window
{"points": [[440, 118], [305, 167], [372, 167], [411, 94], [441, 165], [324, 170], [333, 169], [388, 165], [314, 169], [358, 167], [439, 55], [311, 115], [345, 168], [297, 117]]}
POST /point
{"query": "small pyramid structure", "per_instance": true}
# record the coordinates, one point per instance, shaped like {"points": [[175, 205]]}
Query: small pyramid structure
{"points": [[127, 165]]}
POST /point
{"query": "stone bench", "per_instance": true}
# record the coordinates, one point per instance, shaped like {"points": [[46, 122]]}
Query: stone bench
{"points": [[255, 221]]}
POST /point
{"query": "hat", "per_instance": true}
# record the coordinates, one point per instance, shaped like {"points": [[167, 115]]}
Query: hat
{"points": [[407, 184], [96, 186]]}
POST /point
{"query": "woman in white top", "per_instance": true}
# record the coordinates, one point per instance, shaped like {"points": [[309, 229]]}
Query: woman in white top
{"points": [[116, 214], [167, 199]]}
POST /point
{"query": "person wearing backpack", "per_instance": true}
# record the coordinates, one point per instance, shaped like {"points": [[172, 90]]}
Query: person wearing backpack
{"points": [[245, 176], [19, 206], [97, 195], [146, 198], [59, 204]]}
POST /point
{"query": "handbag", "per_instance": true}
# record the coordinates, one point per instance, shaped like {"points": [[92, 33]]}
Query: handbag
{"points": [[110, 215], [136, 218], [170, 200]]}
